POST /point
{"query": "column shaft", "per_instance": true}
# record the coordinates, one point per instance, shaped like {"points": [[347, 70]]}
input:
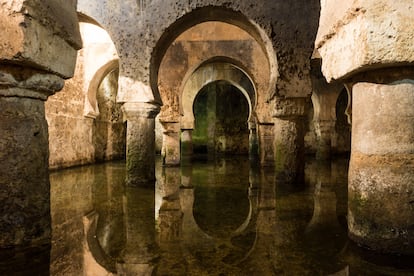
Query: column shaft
{"points": [[266, 140], [289, 142], [289, 149], [24, 181], [171, 151], [381, 178], [140, 156], [324, 131], [186, 144]]}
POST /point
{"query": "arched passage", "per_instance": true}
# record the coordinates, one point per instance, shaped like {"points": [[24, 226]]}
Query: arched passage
{"points": [[73, 115], [343, 126], [204, 53], [91, 108], [109, 131], [209, 73], [210, 14], [221, 113]]}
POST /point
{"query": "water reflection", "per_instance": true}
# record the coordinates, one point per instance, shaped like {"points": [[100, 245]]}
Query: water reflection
{"points": [[223, 217]]}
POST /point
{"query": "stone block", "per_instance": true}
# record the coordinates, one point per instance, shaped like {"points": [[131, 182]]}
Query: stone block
{"points": [[364, 35], [46, 35]]}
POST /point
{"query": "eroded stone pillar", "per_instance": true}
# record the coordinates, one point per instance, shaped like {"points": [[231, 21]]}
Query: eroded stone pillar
{"points": [[381, 172], [186, 144], [266, 147], [362, 43], [289, 135], [253, 142], [38, 47], [140, 156], [171, 143], [324, 130], [324, 98], [24, 181]]}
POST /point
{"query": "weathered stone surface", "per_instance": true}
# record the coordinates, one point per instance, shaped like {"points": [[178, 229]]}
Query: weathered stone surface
{"points": [[140, 148], [18, 81], [38, 46], [363, 35], [383, 114], [171, 150], [381, 190], [266, 136], [24, 181], [85, 122], [46, 34], [24, 155], [290, 108], [70, 132], [287, 43], [289, 150]]}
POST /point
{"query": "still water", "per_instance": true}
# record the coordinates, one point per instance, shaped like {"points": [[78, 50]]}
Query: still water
{"points": [[211, 217]]}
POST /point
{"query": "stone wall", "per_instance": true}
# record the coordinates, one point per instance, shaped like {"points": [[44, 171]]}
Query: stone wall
{"points": [[85, 123], [70, 133]]}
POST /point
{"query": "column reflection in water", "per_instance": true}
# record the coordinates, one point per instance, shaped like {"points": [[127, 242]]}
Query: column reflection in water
{"points": [[141, 252], [217, 216], [325, 238], [169, 222], [71, 199], [259, 260], [271, 228], [108, 192]]}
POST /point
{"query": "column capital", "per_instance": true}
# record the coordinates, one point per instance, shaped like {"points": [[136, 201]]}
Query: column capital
{"points": [[170, 127], [140, 109], [18, 81], [289, 108]]}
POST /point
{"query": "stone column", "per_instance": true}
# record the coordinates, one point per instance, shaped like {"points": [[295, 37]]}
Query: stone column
{"points": [[39, 40], [24, 156], [362, 44], [253, 143], [324, 98], [171, 143], [381, 170], [289, 131], [324, 130], [186, 144], [140, 156], [266, 147]]}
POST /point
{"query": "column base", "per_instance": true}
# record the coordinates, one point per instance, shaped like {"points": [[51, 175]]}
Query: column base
{"points": [[381, 202]]}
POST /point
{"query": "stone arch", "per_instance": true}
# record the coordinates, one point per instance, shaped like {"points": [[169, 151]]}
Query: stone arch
{"points": [[91, 105], [343, 122], [99, 56], [209, 73], [206, 14]]}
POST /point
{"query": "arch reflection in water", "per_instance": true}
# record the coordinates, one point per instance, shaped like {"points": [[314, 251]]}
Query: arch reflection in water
{"points": [[281, 230]]}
